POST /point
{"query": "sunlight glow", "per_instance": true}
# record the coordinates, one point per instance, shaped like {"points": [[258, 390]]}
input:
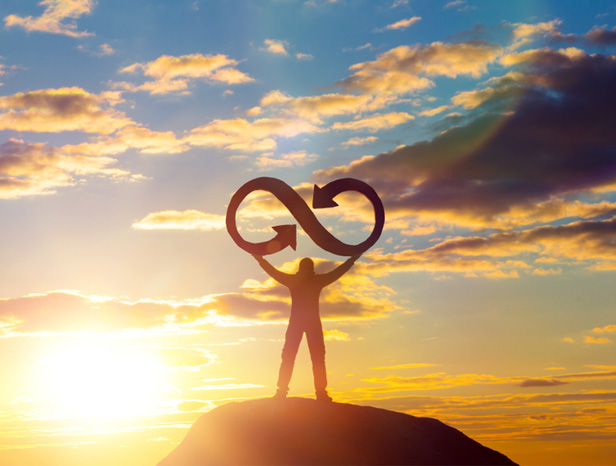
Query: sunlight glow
{"points": [[98, 380]]}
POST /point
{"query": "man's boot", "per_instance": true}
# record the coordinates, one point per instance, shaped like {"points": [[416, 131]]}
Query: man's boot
{"points": [[322, 395]]}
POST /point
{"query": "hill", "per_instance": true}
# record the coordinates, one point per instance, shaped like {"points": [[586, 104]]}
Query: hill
{"points": [[302, 431]]}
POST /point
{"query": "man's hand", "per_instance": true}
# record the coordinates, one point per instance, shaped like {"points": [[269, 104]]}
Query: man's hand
{"points": [[261, 260]]}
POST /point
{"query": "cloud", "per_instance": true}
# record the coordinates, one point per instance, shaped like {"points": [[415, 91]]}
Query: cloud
{"points": [[406, 69], [606, 329], [586, 242], [596, 36], [52, 19], [404, 366], [542, 383], [379, 83], [497, 89], [401, 25], [600, 35], [166, 67], [511, 417], [132, 136], [453, 4], [6, 70], [398, 3], [143, 139], [336, 335], [290, 159], [435, 381], [550, 138], [558, 58], [435, 111], [289, 116], [180, 220], [72, 312], [459, 5], [359, 141], [248, 136], [374, 123], [601, 374], [442, 380], [276, 46], [32, 169], [315, 108], [193, 406], [367, 45], [428, 261], [173, 74], [596, 341], [523, 33], [62, 312], [303, 56], [281, 47], [101, 51], [63, 109], [544, 272], [352, 297], [106, 49]]}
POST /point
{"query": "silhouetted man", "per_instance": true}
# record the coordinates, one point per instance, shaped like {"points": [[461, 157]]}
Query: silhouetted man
{"points": [[305, 287]]}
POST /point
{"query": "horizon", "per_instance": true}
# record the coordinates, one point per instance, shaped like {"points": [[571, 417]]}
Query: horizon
{"points": [[486, 129]]}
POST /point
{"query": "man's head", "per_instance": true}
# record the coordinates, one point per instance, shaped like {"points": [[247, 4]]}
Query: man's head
{"points": [[306, 266]]}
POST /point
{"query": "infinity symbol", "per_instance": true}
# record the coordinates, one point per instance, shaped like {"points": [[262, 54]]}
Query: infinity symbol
{"points": [[286, 235]]}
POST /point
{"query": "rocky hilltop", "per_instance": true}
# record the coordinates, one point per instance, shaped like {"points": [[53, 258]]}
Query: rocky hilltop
{"points": [[302, 431]]}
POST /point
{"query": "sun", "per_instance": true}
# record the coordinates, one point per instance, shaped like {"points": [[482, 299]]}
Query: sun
{"points": [[99, 379]]}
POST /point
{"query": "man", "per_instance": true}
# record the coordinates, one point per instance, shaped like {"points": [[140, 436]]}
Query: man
{"points": [[305, 287]]}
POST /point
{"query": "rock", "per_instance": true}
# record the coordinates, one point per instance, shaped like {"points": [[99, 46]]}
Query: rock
{"points": [[302, 431]]}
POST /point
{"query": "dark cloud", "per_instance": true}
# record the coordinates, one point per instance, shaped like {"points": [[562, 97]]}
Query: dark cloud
{"points": [[551, 134], [542, 383], [601, 36], [598, 36]]}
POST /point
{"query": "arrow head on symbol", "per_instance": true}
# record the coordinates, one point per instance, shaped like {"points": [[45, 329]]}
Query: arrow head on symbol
{"points": [[286, 235], [322, 198]]}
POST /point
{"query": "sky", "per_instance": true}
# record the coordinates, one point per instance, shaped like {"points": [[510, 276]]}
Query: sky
{"points": [[486, 128]]}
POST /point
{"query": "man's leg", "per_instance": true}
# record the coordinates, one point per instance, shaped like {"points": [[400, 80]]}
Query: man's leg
{"points": [[316, 345], [292, 339]]}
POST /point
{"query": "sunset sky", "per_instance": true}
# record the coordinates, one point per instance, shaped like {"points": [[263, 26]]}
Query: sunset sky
{"points": [[487, 128]]}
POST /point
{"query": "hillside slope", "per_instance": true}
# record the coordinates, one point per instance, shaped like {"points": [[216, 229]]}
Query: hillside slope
{"points": [[303, 431]]}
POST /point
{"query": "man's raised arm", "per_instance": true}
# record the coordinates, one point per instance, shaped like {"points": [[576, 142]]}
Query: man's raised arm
{"points": [[272, 271], [339, 271]]}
